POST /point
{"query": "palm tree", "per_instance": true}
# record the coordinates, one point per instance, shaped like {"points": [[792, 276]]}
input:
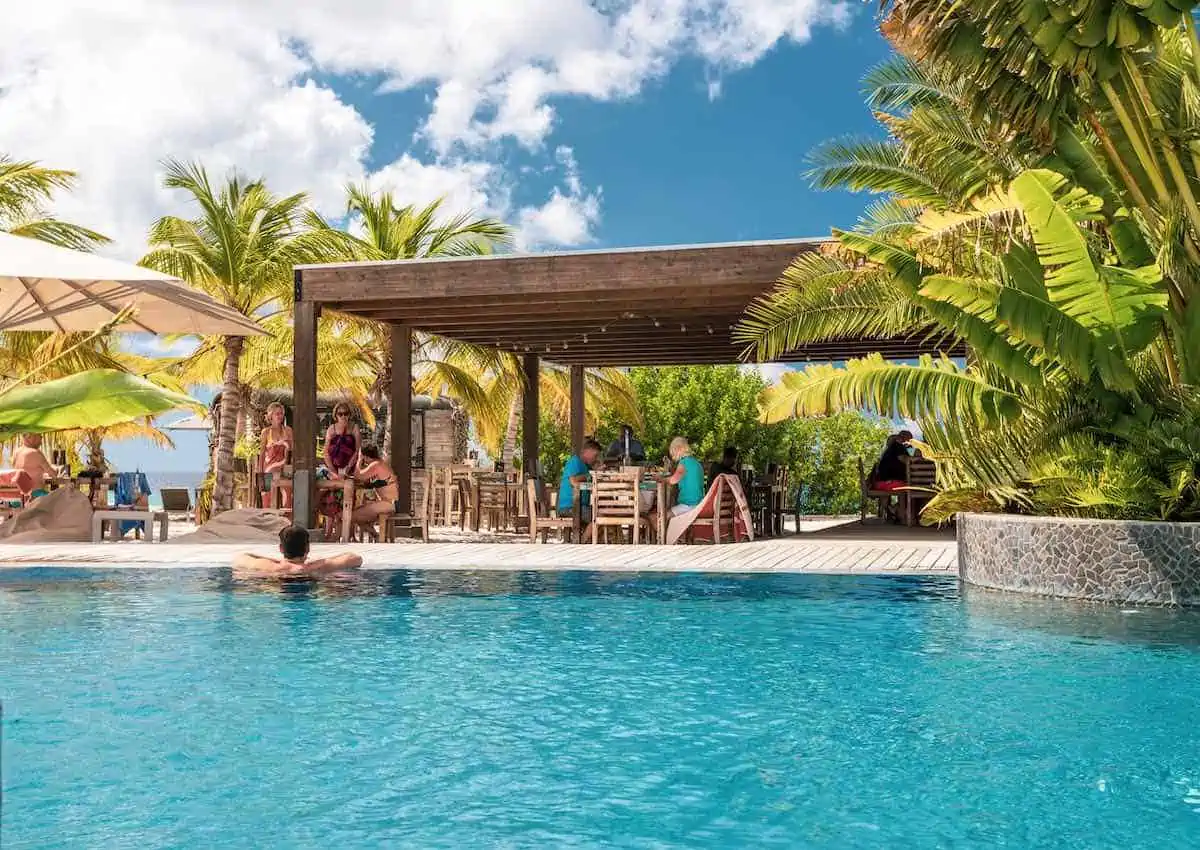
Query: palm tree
{"points": [[241, 250], [393, 232], [25, 187], [1071, 294]]}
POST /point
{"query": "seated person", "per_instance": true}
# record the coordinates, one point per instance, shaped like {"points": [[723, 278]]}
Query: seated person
{"points": [[727, 466], [576, 471], [295, 563], [380, 491], [30, 460], [616, 449], [688, 476], [276, 443], [889, 472]]}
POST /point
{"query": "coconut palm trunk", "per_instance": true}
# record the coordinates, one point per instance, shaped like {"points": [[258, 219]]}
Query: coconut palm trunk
{"points": [[509, 449], [227, 435]]}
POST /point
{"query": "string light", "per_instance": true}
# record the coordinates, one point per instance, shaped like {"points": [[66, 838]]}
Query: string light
{"points": [[657, 323], [683, 329], [604, 329], [585, 339], [709, 329], [565, 346]]}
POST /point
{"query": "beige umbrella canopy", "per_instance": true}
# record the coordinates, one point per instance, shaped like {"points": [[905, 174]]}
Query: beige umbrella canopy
{"points": [[47, 288]]}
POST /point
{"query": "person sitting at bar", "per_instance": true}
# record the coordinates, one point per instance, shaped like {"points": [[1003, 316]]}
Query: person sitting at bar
{"points": [[277, 439], [576, 471], [295, 563], [889, 472], [342, 444], [30, 460], [688, 476], [728, 465], [378, 482], [626, 446]]}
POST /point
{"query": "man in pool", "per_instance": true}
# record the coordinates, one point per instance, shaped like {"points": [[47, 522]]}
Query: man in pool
{"points": [[294, 546]]}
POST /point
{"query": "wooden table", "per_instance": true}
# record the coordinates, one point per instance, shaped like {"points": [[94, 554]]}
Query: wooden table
{"points": [[116, 517], [662, 491], [346, 485]]}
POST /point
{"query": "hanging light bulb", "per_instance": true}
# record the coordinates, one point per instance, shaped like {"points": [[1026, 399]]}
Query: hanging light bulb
{"points": [[709, 329], [585, 339], [565, 346], [657, 323], [604, 329], [683, 329]]}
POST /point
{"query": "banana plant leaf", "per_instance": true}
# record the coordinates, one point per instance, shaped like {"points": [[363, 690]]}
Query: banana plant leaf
{"points": [[96, 398]]}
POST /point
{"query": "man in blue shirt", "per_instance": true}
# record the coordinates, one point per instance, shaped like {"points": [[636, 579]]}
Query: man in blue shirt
{"points": [[576, 472]]}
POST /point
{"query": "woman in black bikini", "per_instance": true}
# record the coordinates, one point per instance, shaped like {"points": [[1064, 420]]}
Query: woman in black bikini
{"points": [[379, 482]]}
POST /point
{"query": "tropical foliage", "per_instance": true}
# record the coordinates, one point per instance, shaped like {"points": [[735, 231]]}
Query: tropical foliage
{"points": [[97, 398], [240, 249], [25, 190], [1039, 216]]}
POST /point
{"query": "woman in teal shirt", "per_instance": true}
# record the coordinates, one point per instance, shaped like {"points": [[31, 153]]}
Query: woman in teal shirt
{"points": [[688, 476]]}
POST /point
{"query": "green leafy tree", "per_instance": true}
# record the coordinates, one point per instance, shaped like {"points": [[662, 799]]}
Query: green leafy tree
{"points": [[717, 406]]}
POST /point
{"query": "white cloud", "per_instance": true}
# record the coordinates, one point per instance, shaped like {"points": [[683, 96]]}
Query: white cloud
{"points": [[112, 89]]}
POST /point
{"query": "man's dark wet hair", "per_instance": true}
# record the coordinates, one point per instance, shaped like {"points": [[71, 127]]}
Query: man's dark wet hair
{"points": [[293, 542], [593, 445], [371, 450], [730, 456]]}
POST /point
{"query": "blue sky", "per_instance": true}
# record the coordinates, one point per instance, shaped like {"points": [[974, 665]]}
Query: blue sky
{"points": [[619, 123]]}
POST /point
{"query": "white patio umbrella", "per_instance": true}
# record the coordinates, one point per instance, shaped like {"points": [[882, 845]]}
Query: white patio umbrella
{"points": [[47, 288], [190, 423]]}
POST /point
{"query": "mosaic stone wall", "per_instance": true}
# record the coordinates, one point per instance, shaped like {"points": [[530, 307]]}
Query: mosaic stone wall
{"points": [[1099, 560]]}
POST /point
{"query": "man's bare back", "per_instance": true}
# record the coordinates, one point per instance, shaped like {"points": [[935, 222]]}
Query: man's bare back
{"points": [[295, 563], [30, 460]]}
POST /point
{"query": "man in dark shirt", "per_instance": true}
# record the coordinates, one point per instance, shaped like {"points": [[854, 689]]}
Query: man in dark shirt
{"points": [[727, 466], [617, 449], [890, 469]]}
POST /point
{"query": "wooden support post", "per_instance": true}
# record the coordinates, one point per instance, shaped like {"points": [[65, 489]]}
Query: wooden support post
{"points": [[400, 451], [529, 415], [304, 414], [576, 408]]}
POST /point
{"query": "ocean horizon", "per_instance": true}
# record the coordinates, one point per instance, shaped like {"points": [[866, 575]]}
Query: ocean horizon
{"points": [[158, 480]]}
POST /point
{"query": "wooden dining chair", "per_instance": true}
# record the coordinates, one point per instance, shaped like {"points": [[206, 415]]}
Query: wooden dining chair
{"points": [[492, 491], [422, 491], [465, 488], [921, 477], [723, 516], [542, 519], [867, 493], [616, 503]]}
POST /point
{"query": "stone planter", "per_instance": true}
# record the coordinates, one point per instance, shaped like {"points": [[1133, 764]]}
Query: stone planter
{"points": [[1155, 563]]}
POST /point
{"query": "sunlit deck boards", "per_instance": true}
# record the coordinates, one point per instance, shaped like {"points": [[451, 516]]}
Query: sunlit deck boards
{"points": [[789, 555]]}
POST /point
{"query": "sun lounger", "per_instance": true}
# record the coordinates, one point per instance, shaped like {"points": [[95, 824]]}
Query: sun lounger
{"points": [[176, 500]]}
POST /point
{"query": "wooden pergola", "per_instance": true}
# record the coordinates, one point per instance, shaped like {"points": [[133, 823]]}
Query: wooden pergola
{"points": [[661, 306]]}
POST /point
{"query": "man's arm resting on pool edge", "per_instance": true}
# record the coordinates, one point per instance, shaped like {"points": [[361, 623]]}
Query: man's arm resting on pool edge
{"points": [[335, 563]]}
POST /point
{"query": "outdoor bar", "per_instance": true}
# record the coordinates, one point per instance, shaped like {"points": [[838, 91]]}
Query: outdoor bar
{"points": [[661, 306]]}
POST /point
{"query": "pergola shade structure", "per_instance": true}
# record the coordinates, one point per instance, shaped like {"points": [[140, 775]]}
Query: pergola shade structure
{"points": [[630, 307]]}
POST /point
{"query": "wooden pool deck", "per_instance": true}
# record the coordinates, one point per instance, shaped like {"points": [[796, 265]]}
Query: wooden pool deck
{"points": [[860, 554]]}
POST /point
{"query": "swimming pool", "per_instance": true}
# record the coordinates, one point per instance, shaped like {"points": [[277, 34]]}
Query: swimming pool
{"points": [[155, 709]]}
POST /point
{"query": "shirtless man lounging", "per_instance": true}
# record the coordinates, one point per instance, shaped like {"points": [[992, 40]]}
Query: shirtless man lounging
{"points": [[30, 460], [295, 563]]}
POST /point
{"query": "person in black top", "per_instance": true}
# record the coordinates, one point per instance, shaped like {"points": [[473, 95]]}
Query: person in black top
{"points": [[617, 448], [728, 465], [889, 470]]}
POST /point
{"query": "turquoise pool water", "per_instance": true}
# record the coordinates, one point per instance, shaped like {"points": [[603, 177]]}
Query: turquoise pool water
{"points": [[178, 710]]}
